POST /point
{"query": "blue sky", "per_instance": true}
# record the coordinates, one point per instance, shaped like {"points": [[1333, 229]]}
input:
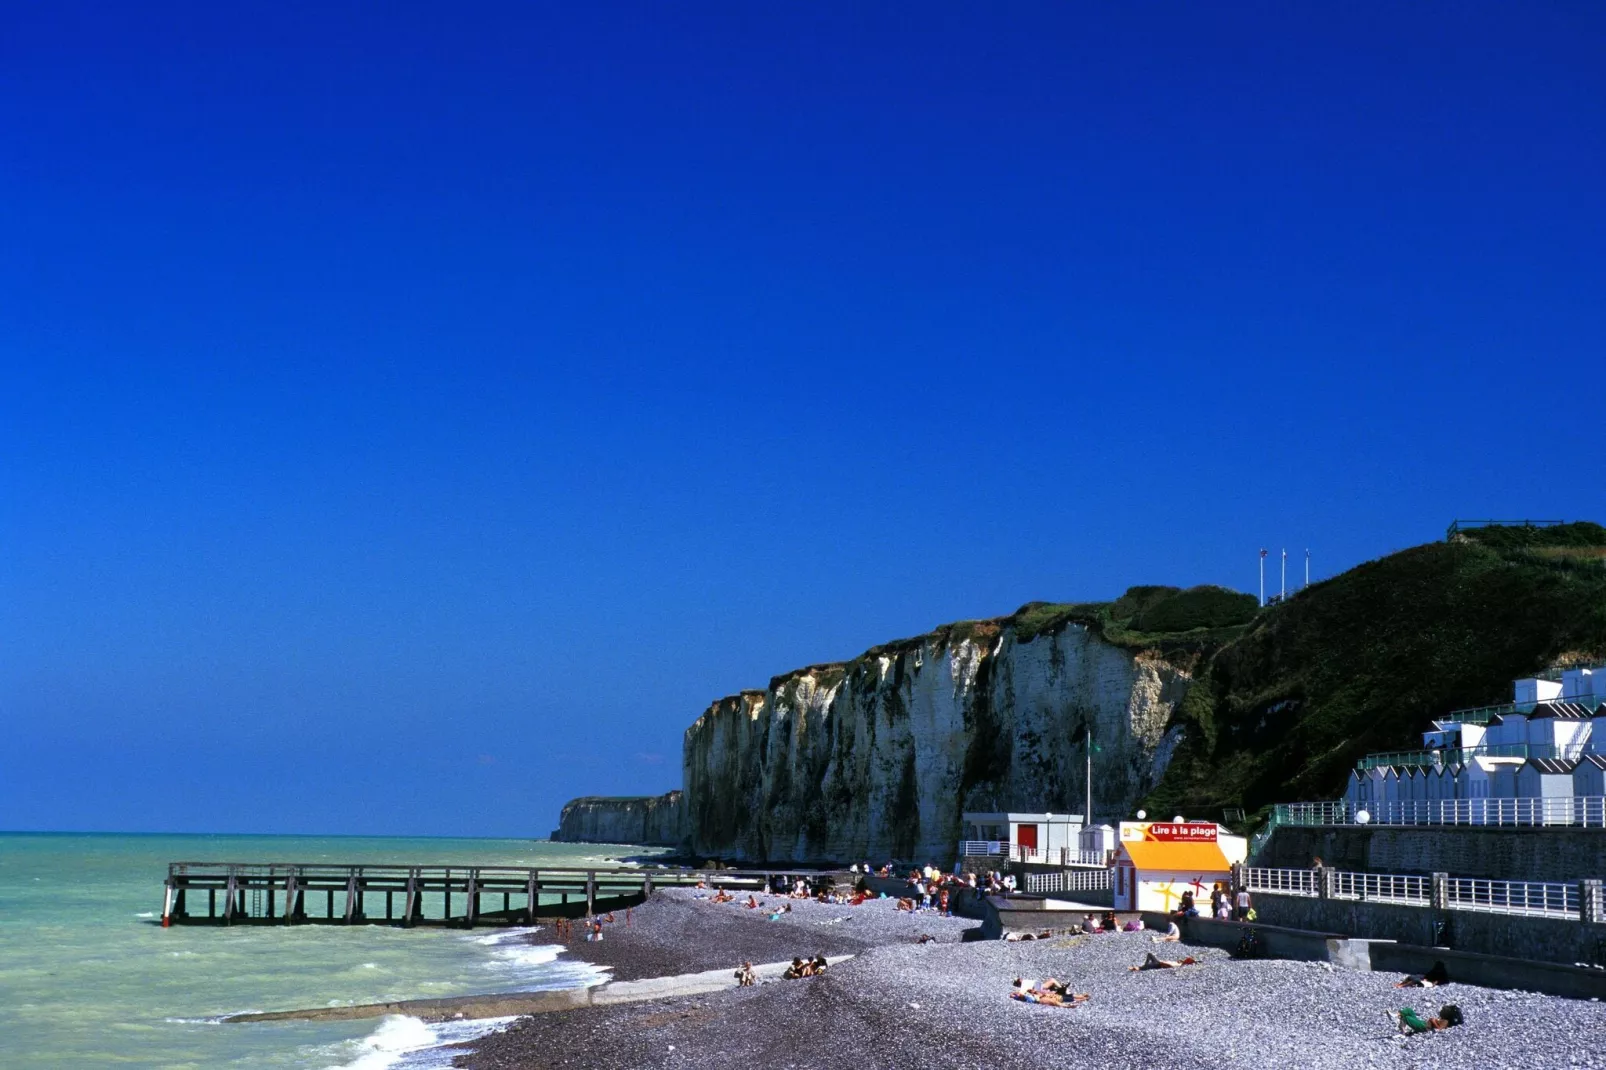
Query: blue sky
{"points": [[414, 416]]}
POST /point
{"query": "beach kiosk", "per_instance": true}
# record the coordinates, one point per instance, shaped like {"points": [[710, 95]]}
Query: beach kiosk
{"points": [[1044, 838], [1156, 861]]}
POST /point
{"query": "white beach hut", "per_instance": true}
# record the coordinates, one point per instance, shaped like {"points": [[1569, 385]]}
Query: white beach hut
{"points": [[1545, 778], [1557, 729], [1589, 776], [1597, 731]]}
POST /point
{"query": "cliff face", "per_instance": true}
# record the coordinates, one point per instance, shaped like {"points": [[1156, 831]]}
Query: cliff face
{"points": [[647, 819], [879, 757]]}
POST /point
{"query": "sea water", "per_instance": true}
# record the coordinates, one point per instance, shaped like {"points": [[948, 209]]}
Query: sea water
{"points": [[89, 978]]}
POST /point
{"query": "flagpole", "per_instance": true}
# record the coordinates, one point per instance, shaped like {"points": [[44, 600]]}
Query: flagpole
{"points": [[1087, 818]]}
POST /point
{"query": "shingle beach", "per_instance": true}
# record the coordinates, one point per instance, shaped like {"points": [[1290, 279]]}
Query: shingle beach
{"points": [[944, 1003]]}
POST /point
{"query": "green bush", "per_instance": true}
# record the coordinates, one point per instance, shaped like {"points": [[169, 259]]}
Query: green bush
{"points": [[1197, 607], [1527, 537]]}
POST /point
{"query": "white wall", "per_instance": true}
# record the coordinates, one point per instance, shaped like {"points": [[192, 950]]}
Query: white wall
{"points": [[1152, 897]]}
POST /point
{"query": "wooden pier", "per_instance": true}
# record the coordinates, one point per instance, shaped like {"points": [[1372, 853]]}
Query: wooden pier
{"points": [[236, 893]]}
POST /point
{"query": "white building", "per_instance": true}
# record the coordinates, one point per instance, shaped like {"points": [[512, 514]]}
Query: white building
{"points": [[1024, 837]]}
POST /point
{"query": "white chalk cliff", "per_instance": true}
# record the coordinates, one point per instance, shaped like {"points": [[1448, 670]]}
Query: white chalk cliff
{"points": [[877, 758]]}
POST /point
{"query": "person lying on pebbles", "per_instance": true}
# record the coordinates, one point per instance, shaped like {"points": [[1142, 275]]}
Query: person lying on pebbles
{"points": [[1044, 935], [1049, 992], [1436, 975], [722, 896], [1409, 1022], [1150, 962]]}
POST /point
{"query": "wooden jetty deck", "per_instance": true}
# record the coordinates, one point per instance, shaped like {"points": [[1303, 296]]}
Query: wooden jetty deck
{"points": [[321, 893]]}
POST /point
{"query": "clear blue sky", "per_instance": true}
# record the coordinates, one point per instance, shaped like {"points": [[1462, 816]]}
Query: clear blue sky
{"points": [[413, 416]]}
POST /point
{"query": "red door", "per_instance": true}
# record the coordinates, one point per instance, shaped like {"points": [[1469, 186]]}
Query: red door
{"points": [[1026, 837]]}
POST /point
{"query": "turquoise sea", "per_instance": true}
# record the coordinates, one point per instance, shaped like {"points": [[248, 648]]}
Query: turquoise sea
{"points": [[89, 978]]}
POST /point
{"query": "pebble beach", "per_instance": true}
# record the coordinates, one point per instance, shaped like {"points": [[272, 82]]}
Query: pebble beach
{"points": [[900, 1003]]}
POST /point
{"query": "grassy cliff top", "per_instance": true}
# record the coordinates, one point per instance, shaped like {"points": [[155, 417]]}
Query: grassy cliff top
{"points": [[1362, 662], [1142, 618]]}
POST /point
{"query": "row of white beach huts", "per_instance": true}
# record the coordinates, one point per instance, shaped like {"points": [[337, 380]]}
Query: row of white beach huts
{"points": [[1549, 742]]}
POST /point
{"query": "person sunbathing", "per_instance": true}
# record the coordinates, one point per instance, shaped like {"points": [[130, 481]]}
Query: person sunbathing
{"points": [[794, 971], [752, 903], [1409, 1022], [745, 976], [819, 965], [1111, 924], [906, 904], [722, 896], [1050, 993], [1151, 962], [1436, 975]]}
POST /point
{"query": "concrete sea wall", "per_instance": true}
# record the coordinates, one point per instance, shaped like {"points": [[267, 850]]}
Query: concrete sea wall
{"points": [[1559, 940]]}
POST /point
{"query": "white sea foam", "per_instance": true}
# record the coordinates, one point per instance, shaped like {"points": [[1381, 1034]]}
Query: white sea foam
{"points": [[401, 1042], [505, 936]]}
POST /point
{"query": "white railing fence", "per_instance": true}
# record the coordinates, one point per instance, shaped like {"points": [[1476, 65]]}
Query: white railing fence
{"points": [[1069, 880], [1059, 856], [1588, 811], [1383, 888], [1551, 899], [1546, 899], [1282, 881], [982, 847]]}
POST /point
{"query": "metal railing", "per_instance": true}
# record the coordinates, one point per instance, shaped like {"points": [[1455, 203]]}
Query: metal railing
{"points": [[1059, 856], [982, 847], [1542, 898], [1302, 882], [1549, 899], [1587, 811], [1462, 755], [1383, 888], [1069, 880]]}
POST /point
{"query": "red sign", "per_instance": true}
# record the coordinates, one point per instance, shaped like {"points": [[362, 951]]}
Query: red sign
{"points": [[1187, 832]]}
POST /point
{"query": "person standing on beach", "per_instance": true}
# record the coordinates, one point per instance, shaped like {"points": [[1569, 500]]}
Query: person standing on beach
{"points": [[1242, 912]]}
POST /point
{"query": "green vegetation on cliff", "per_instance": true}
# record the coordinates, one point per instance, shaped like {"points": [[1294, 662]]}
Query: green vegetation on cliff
{"points": [[1363, 661]]}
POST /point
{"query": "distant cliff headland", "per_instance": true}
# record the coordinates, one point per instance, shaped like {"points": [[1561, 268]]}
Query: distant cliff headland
{"points": [[1196, 700], [655, 820]]}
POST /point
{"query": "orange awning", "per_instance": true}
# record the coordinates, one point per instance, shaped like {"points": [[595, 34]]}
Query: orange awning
{"points": [[1192, 857]]}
